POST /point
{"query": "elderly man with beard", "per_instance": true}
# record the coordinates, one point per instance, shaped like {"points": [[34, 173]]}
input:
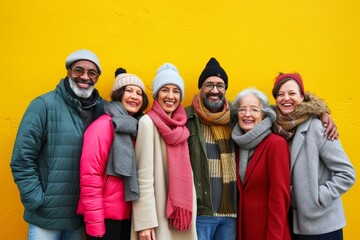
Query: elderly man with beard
{"points": [[47, 150], [212, 155]]}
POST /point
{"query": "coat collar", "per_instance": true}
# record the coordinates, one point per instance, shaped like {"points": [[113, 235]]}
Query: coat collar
{"points": [[74, 102], [298, 141], [255, 158]]}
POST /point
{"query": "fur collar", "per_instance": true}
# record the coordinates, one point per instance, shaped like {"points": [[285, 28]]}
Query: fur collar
{"points": [[312, 105]]}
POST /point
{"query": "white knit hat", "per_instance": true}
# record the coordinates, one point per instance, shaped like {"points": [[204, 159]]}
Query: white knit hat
{"points": [[167, 74], [124, 79], [82, 54]]}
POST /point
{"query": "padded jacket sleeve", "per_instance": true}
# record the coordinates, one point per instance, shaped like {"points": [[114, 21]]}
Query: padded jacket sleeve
{"points": [[30, 137]]}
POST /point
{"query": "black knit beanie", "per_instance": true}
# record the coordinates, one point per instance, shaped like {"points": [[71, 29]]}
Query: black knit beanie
{"points": [[213, 68]]}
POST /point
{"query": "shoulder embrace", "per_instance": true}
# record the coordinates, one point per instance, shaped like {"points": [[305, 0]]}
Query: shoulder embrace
{"points": [[316, 127]]}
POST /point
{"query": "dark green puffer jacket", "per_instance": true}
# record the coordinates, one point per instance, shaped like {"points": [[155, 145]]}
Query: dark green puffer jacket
{"points": [[45, 159]]}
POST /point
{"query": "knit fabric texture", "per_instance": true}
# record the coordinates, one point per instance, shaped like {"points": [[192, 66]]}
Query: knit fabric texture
{"points": [[125, 79], [167, 74], [175, 134], [82, 54]]}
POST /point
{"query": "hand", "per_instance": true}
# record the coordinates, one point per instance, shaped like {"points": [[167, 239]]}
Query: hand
{"points": [[330, 127], [148, 234]]}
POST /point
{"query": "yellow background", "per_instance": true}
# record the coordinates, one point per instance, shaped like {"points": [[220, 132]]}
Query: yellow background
{"points": [[253, 41]]}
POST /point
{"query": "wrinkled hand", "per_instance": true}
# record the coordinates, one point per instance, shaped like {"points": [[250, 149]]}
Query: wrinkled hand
{"points": [[330, 127], [148, 234]]}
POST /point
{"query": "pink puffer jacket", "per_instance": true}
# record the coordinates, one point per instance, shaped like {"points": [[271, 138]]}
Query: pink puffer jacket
{"points": [[101, 195]]}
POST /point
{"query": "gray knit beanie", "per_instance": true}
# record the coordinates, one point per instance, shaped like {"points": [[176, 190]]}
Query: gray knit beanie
{"points": [[167, 74], [82, 54]]}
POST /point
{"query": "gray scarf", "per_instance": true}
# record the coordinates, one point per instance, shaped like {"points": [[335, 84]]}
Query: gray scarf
{"points": [[248, 141], [121, 160]]}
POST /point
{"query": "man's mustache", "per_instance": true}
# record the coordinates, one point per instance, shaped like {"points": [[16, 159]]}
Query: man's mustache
{"points": [[214, 95], [80, 80]]}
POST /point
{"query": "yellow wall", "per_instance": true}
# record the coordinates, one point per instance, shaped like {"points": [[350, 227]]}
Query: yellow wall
{"points": [[253, 40]]}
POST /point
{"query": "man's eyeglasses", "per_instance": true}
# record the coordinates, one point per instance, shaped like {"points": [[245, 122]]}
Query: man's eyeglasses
{"points": [[79, 71], [209, 86], [253, 111]]}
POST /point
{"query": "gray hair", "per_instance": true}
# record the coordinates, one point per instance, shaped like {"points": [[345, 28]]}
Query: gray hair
{"points": [[264, 101]]}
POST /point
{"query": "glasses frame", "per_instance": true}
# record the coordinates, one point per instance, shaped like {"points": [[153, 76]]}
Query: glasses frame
{"points": [[88, 72], [214, 85], [253, 111]]}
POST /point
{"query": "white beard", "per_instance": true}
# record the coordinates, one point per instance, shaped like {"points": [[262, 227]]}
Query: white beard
{"points": [[80, 92]]}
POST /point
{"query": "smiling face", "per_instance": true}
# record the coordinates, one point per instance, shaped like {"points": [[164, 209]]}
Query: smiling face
{"points": [[213, 97], [169, 98], [289, 96], [132, 99], [249, 112], [79, 79]]}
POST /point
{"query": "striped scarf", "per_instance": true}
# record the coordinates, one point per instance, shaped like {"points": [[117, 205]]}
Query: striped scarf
{"points": [[285, 126], [219, 124]]}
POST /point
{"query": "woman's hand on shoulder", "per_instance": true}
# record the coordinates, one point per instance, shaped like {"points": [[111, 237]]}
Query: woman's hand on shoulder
{"points": [[330, 127]]}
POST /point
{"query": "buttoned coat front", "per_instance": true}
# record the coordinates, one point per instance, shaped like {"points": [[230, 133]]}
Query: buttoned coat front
{"points": [[149, 209], [264, 196], [320, 173]]}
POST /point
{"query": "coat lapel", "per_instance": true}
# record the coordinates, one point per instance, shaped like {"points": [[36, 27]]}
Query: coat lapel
{"points": [[298, 141], [255, 159]]}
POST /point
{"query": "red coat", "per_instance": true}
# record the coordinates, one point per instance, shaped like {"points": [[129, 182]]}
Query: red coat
{"points": [[264, 197]]}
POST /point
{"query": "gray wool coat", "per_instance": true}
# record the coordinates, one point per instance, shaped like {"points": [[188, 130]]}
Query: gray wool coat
{"points": [[320, 173]]}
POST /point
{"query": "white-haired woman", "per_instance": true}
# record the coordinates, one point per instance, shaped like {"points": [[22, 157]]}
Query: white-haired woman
{"points": [[263, 170]]}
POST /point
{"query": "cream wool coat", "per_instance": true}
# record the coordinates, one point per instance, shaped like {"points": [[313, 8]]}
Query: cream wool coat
{"points": [[149, 209]]}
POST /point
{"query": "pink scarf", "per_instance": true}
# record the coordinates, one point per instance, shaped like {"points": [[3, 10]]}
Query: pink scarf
{"points": [[175, 134]]}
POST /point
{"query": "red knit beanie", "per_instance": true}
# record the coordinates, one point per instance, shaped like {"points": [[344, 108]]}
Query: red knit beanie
{"points": [[284, 77]]}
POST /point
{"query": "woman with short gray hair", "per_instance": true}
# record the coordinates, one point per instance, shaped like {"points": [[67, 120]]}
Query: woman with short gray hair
{"points": [[263, 170]]}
